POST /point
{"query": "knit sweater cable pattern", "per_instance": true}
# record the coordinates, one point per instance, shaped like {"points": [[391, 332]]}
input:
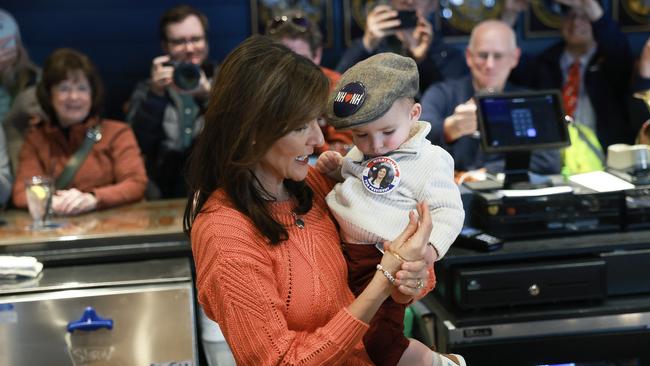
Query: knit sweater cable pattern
{"points": [[283, 304]]}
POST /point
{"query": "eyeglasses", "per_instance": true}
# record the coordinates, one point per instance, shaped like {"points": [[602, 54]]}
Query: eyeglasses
{"points": [[484, 56], [186, 41], [299, 21]]}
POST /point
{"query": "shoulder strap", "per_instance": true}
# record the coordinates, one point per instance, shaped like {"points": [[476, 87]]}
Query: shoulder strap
{"points": [[597, 150], [93, 135]]}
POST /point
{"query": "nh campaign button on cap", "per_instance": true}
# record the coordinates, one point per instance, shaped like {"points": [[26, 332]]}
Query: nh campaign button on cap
{"points": [[349, 99]]}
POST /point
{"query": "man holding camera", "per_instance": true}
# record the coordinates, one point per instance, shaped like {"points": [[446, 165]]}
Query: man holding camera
{"points": [[166, 111], [402, 27]]}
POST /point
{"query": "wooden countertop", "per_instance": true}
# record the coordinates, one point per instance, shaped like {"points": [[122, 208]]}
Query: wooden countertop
{"points": [[137, 221]]}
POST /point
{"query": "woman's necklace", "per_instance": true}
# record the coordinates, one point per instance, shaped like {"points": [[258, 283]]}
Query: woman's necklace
{"points": [[300, 223]]}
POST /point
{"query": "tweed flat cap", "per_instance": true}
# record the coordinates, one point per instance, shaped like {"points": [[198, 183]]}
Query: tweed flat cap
{"points": [[368, 89]]}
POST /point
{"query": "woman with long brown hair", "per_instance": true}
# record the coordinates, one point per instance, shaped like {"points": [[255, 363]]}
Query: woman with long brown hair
{"points": [[269, 265]]}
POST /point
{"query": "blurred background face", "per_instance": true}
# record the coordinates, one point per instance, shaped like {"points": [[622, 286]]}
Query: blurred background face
{"points": [[186, 41], [72, 99], [491, 57], [576, 29], [301, 47]]}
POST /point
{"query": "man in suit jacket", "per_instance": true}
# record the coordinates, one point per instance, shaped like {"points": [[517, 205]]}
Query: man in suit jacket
{"points": [[592, 38]]}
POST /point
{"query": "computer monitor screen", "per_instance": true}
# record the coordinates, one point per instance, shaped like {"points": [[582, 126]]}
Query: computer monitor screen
{"points": [[522, 121]]}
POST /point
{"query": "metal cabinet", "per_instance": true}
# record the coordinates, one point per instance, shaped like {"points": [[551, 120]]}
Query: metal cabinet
{"points": [[141, 313]]}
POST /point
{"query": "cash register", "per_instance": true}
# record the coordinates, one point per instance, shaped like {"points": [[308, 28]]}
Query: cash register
{"points": [[515, 124]]}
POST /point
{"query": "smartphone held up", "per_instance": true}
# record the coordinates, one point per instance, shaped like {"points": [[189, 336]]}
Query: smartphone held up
{"points": [[408, 19]]}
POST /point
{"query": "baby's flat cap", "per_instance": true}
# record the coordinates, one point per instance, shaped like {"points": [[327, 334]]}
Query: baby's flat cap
{"points": [[368, 89]]}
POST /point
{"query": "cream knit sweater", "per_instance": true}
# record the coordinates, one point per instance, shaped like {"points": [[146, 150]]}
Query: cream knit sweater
{"points": [[427, 173]]}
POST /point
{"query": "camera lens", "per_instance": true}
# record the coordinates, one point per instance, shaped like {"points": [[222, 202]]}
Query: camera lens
{"points": [[187, 76]]}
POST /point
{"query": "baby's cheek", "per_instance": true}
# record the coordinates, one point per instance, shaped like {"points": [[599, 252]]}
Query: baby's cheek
{"points": [[393, 143]]}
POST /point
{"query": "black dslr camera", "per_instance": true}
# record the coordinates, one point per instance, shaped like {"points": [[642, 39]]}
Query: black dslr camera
{"points": [[186, 74]]}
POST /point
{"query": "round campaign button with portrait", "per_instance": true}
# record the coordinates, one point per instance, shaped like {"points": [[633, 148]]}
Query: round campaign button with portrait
{"points": [[381, 175]]}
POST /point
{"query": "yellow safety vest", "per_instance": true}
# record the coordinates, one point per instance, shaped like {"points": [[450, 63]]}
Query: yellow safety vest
{"points": [[584, 154]]}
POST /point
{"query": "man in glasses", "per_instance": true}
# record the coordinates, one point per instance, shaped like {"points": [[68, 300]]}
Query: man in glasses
{"points": [[166, 111], [302, 36], [385, 32], [449, 106]]}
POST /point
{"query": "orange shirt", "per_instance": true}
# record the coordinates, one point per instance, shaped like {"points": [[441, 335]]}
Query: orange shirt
{"points": [[282, 304]]}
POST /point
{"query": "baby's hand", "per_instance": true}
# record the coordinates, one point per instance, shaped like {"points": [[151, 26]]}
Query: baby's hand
{"points": [[329, 161]]}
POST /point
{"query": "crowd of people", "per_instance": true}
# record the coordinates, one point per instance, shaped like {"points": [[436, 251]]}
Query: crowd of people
{"points": [[292, 260], [166, 117]]}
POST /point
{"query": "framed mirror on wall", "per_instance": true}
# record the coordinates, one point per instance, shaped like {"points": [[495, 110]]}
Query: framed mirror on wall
{"points": [[265, 12], [632, 15], [456, 18], [544, 18], [354, 19]]}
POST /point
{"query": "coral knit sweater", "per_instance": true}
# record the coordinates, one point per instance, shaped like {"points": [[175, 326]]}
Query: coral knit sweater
{"points": [[282, 304]]}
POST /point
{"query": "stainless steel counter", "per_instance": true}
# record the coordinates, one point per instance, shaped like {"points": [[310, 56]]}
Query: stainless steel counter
{"points": [[146, 310], [130, 265]]}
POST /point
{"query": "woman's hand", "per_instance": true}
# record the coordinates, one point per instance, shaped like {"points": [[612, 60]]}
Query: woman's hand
{"points": [[410, 280], [405, 256], [414, 247], [73, 202], [409, 277]]}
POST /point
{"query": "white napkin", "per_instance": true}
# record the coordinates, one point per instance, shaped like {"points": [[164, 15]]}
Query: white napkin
{"points": [[11, 267]]}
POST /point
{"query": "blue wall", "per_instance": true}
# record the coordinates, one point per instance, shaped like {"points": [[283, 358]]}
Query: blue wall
{"points": [[121, 36]]}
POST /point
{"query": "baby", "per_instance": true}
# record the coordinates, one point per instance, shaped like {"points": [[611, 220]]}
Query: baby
{"points": [[391, 168]]}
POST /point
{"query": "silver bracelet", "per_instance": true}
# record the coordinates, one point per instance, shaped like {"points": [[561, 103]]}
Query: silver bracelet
{"points": [[434, 249], [387, 274]]}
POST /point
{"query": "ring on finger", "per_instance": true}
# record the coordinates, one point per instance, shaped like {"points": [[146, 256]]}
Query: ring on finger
{"points": [[419, 284]]}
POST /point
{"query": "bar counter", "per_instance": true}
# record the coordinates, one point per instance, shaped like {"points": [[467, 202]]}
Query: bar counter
{"points": [[145, 229]]}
